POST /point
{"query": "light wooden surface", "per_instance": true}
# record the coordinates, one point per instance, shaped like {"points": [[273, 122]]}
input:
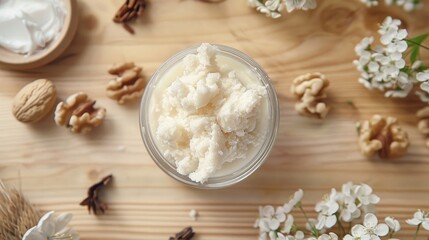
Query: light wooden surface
{"points": [[54, 167]]}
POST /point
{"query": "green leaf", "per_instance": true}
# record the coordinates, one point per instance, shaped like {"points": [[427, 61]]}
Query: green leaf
{"points": [[419, 39], [414, 44], [415, 53]]}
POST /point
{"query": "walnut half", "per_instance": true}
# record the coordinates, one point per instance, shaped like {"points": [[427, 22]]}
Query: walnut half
{"points": [[382, 136], [423, 125], [309, 90], [79, 114], [128, 84]]}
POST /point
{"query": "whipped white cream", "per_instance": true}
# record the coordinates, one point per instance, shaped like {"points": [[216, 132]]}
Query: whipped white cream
{"points": [[27, 26], [212, 113]]}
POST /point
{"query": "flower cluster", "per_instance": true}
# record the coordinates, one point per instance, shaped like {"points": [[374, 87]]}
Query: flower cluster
{"points": [[383, 67], [273, 8], [346, 205], [408, 5], [336, 208]]}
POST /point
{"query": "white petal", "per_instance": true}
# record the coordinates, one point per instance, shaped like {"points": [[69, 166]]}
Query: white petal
{"points": [[386, 38], [274, 224], [33, 234], [413, 221], [425, 225], [374, 237], [280, 236], [346, 216], [373, 67], [422, 76], [390, 222], [358, 230], [374, 199], [333, 236], [401, 46], [333, 208], [273, 235], [309, 4], [299, 235], [395, 56], [348, 237], [400, 63], [46, 224], [381, 229], [321, 223], [418, 215], [290, 6], [264, 225], [370, 220], [62, 221], [268, 211], [287, 207], [298, 195], [402, 33], [425, 86], [366, 237], [330, 221], [288, 224]]}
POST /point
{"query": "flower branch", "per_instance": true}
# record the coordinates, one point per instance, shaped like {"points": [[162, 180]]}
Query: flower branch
{"points": [[355, 202]]}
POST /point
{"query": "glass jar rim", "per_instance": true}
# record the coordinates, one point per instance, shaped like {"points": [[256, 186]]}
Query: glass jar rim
{"points": [[253, 164]]}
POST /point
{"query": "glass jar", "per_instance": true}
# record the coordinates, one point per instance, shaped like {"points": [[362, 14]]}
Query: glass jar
{"points": [[243, 171]]}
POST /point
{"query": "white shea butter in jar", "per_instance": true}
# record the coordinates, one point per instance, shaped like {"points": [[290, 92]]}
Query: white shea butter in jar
{"points": [[209, 114], [27, 26]]}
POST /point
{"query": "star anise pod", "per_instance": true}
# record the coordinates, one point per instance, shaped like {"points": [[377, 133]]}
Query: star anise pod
{"points": [[185, 234], [93, 201]]}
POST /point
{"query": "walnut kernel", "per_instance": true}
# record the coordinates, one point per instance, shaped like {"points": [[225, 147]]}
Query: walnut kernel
{"points": [[128, 84], [79, 114], [309, 90], [423, 125], [382, 136], [34, 101]]}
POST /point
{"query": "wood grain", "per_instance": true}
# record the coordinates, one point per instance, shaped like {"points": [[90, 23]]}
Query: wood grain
{"points": [[54, 167]]}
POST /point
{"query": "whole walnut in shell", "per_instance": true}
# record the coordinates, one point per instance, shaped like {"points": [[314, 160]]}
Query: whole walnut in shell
{"points": [[309, 89], [34, 101], [79, 114], [382, 136], [128, 84]]}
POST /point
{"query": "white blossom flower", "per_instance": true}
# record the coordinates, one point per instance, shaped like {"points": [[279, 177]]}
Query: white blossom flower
{"points": [[329, 236], [393, 224], [327, 209], [364, 195], [50, 228], [300, 4], [271, 219], [295, 199], [370, 3], [420, 218], [408, 5], [271, 8], [369, 230], [348, 209]]}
